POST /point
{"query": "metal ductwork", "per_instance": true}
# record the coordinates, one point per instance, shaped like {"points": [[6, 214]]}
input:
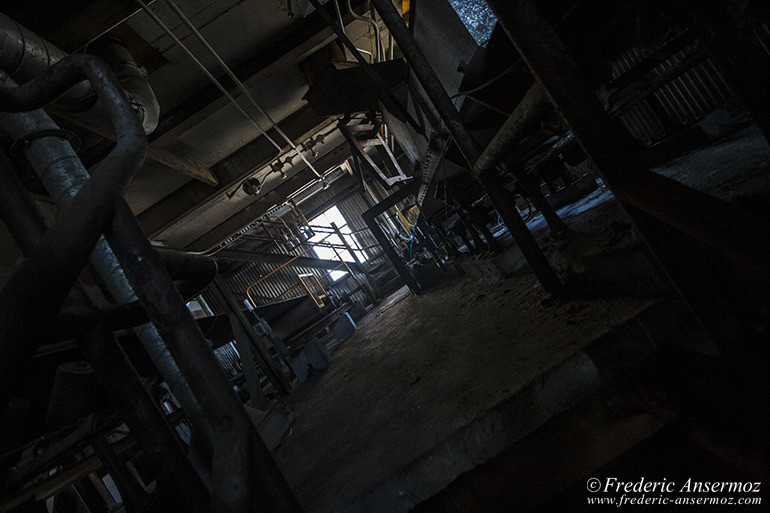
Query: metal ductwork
{"points": [[25, 55]]}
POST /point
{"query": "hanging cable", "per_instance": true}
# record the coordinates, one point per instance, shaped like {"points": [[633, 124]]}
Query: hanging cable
{"points": [[238, 83], [211, 77], [372, 22]]}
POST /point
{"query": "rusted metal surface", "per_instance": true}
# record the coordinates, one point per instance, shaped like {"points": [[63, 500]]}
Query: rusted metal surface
{"points": [[526, 116]]}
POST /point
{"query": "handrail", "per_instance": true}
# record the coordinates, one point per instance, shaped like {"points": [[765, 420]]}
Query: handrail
{"points": [[248, 295]]}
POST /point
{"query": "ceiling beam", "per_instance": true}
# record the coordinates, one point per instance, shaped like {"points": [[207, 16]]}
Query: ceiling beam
{"points": [[167, 158], [262, 204], [310, 35], [230, 171]]}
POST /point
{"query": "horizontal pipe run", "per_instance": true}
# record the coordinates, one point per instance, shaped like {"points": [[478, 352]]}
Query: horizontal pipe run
{"points": [[525, 116]]}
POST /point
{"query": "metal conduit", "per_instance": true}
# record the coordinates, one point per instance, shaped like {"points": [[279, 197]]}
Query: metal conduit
{"points": [[373, 23], [243, 471], [62, 174], [208, 74], [229, 73]]}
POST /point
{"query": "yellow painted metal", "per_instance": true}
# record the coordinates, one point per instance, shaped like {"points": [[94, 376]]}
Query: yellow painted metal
{"points": [[248, 290]]}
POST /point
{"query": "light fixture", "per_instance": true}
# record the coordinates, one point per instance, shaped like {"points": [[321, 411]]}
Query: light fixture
{"points": [[252, 186]]}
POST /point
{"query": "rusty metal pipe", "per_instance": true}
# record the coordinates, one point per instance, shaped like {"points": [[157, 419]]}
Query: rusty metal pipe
{"points": [[244, 473], [524, 117]]}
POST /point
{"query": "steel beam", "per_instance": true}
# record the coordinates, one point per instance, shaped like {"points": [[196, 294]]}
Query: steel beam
{"points": [[370, 218], [737, 234], [269, 365], [260, 257], [525, 117], [267, 200], [667, 213], [162, 156], [230, 171], [501, 198]]}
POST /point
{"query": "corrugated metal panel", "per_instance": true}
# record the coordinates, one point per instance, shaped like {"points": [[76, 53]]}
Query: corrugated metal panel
{"points": [[693, 94], [685, 99], [228, 358], [246, 276]]}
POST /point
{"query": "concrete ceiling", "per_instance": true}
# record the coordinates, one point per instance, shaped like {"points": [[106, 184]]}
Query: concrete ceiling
{"points": [[263, 46]]}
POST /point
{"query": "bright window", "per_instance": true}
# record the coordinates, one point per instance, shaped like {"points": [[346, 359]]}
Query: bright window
{"points": [[477, 17], [325, 220]]}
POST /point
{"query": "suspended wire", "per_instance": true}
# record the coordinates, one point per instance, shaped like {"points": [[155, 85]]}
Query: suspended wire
{"points": [[206, 72], [238, 83]]}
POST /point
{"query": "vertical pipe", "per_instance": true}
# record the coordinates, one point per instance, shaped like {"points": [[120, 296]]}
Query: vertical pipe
{"points": [[62, 173], [112, 366]]}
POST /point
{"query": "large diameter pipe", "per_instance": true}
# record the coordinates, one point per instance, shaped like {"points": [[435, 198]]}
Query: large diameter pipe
{"points": [[524, 117], [24, 55], [62, 174], [132, 78], [244, 472]]}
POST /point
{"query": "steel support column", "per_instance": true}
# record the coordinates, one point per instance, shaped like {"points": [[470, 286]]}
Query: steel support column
{"points": [[700, 215], [501, 198], [370, 218], [668, 213]]}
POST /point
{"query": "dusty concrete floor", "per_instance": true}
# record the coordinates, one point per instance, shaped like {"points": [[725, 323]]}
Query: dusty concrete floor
{"points": [[421, 367]]}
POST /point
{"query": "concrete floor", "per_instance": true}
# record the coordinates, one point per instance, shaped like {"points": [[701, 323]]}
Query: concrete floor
{"points": [[425, 377], [421, 369]]}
